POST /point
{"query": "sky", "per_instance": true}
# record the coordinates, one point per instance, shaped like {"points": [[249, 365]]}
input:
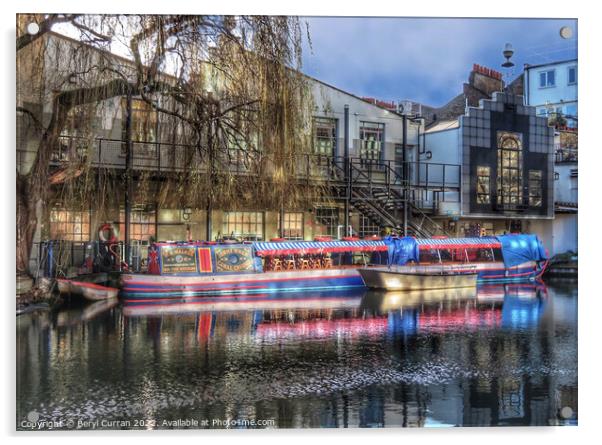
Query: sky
{"points": [[425, 59]]}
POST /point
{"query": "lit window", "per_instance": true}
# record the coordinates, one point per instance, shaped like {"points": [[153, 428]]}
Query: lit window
{"points": [[327, 221], [371, 140], [509, 168], [483, 185], [547, 79], [325, 136], [293, 225], [572, 75], [142, 225], [144, 128], [245, 225], [69, 225], [535, 188], [368, 227]]}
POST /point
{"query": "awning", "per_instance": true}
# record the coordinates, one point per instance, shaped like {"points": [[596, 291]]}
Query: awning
{"points": [[459, 243], [317, 247]]}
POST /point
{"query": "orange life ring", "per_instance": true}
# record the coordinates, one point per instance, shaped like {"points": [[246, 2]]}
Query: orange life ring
{"points": [[114, 233]]}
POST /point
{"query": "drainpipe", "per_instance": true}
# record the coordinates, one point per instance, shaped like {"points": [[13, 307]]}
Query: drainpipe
{"points": [[281, 220], [405, 174], [346, 166], [208, 222], [128, 173]]}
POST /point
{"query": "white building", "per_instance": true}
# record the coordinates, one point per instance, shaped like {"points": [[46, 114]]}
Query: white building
{"points": [[553, 89]]}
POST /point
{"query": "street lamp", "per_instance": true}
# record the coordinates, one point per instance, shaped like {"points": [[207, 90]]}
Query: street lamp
{"points": [[508, 64], [508, 53]]}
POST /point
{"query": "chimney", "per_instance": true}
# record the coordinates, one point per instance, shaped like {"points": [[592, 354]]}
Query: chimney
{"points": [[485, 79]]}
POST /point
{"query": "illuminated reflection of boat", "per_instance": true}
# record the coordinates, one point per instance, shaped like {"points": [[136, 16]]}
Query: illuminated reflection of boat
{"points": [[256, 302], [350, 315], [391, 300]]}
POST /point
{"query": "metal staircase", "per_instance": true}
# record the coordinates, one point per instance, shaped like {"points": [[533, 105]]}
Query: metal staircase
{"points": [[377, 191]]}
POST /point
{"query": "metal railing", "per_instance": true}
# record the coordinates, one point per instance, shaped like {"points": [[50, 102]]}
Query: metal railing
{"points": [[62, 258], [565, 155], [170, 157]]}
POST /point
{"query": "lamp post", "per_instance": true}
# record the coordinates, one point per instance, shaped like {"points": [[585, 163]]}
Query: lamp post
{"points": [[508, 64]]}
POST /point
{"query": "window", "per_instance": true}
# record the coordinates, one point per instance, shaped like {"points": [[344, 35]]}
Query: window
{"points": [[325, 136], [69, 225], [142, 225], [327, 221], [144, 121], [571, 116], [535, 187], [367, 227], [293, 225], [509, 168], [245, 225], [572, 75], [371, 140], [547, 79], [483, 185], [73, 142]]}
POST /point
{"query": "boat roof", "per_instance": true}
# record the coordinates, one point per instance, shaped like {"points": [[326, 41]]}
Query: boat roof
{"points": [[266, 248]]}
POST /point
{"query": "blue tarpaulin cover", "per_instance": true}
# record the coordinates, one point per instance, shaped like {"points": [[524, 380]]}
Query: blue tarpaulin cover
{"points": [[520, 248], [401, 250]]}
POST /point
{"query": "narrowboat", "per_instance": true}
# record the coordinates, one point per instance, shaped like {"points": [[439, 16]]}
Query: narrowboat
{"points": [[191, 269]]}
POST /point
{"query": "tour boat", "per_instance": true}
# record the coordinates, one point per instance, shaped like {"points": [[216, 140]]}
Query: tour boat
{"points": [[190, 269]]}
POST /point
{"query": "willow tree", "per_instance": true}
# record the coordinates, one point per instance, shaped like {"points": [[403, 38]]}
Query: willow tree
{"points": [[228, 88]]}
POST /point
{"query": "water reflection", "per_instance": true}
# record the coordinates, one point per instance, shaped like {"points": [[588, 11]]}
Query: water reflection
{"points": [[498, 355]]}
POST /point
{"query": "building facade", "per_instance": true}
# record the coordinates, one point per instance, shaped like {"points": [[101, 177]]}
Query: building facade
{"points": [[507, 176], [552, 88], [366, 150]]}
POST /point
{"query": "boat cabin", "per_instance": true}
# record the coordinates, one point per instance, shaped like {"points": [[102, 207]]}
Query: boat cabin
{"points": [[200, 257]]}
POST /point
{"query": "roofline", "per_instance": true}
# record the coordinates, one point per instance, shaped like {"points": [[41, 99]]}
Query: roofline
{"points": [[350, 94], [129, 61], [103, 51], [427, 132], [559, 62]]}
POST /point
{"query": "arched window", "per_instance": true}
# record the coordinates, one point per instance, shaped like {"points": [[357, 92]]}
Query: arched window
{"points": [[509, 168]]}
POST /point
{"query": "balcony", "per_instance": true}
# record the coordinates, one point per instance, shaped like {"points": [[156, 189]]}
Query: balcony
{"points": [[565, 155]]}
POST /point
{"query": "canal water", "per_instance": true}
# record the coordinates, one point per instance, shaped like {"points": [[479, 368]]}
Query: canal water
{"points": [[500, 355]]}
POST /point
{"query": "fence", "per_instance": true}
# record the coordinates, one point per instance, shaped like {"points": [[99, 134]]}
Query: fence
{"points": [[563, 155], [59, 258]]}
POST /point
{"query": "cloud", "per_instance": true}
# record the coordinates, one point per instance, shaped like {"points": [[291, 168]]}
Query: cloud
{"points": [[421, 59]]}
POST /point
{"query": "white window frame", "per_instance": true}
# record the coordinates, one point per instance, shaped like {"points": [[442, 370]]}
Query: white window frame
{"points": [[546, 72], [568, 75]]}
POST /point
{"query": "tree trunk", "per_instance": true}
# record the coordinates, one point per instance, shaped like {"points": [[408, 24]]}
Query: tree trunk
{"points": [[26, 225]]}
